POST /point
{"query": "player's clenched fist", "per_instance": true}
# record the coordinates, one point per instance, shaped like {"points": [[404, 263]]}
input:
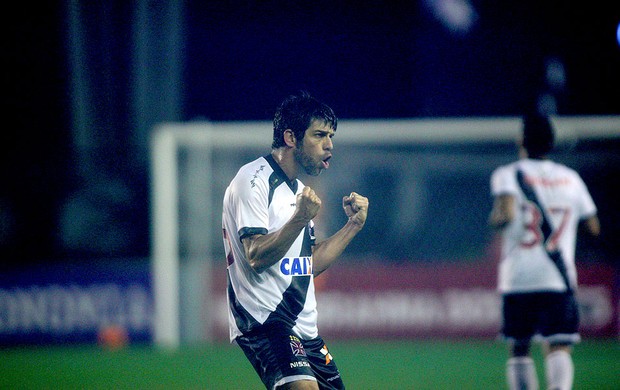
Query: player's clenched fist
{"points": [[356, 207], [308, 204]]}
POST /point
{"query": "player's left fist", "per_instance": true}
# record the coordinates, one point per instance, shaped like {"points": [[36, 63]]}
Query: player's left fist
{"points": [[356, 208]]}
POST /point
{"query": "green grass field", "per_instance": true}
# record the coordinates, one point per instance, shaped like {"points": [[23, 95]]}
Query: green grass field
{"points": [[406, 364]]}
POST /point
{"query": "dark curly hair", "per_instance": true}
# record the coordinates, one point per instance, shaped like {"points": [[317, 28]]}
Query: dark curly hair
{"points": [[296, 113]]}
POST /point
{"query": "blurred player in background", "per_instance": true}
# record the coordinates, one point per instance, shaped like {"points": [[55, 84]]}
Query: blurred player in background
{"points": [[539, 205], [272, 253]]}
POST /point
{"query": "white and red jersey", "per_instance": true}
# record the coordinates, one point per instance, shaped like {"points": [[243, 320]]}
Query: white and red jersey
{"points": [[525, 265], [260, 200]]}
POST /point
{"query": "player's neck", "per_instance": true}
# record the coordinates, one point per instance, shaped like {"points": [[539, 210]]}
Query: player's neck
{"points": [[285, 159], [524, 154]]}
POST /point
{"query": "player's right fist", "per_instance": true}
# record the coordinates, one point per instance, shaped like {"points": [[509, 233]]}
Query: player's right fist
{"points": [[308, 204]]}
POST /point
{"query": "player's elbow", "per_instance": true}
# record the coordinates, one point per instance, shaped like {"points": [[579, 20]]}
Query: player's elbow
{"points": [[257, 264], [502, 213], [499, 221], [253, 254], [593, 226]]}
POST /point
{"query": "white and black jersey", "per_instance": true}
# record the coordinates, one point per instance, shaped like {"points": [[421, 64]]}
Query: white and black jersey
{"points": [[564, 200], [260, 200]]}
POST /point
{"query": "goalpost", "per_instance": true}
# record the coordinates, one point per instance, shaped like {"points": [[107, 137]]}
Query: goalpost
{"points": [[192, 163], [167, 275]]}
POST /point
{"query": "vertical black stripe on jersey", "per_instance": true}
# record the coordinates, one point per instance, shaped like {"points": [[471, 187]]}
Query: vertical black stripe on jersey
{"points": [[555, 255], [529, 193], [244, 320], [306, 246], [294, 297]]}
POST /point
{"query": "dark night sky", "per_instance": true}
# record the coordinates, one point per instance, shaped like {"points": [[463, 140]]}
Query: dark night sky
{"points": [[366, 59], [391, 59]]}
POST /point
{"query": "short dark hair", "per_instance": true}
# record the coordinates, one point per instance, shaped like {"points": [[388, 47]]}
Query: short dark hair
{"points": [[297, 112], [538, 137]]}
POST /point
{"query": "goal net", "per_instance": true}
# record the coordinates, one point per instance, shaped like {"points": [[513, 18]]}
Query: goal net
{"points": [[427, 180]]}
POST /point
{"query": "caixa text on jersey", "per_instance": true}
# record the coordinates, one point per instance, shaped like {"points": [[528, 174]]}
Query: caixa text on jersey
{"points": [[296, 266]]}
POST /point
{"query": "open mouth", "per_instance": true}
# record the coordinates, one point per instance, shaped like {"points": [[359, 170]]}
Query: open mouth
{"points": [[326, 162]]}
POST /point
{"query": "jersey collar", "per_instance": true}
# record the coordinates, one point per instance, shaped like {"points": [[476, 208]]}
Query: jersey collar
{"points": [[279, 174]]}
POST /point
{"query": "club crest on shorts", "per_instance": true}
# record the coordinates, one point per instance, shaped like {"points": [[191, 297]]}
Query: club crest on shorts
{"points": [[297, 347]]}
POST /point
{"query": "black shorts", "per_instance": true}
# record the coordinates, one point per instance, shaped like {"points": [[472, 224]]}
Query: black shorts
{"points": [[280, 357], [552, 315]]}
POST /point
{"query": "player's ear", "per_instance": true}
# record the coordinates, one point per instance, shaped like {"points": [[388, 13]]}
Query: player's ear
{"points": [[289, 138]]}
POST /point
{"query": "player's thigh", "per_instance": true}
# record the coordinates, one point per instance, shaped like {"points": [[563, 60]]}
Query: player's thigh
{"points": [[299, 385], [323, 364], [560, 318], [277, 355], [520, 316]]}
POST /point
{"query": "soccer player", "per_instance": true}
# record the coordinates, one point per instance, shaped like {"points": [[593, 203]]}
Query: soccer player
{"points": [[539, 205], [273, 256]]}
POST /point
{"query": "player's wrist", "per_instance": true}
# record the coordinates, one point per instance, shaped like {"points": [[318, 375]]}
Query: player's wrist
{"points": [[355, 224]]}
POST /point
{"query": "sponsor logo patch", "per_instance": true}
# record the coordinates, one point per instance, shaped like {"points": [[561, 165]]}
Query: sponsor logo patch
{"points": [[325, 352], [296, 266], [299, 364]]}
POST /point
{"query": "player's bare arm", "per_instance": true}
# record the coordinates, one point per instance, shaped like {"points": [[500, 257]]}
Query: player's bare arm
{"points": [[326, 252], [503, 211], [591, 225], [262, 251]]}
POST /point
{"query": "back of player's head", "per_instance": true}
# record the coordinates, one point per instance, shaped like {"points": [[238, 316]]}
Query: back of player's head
{"points": [[296, 113], [538, 137]]}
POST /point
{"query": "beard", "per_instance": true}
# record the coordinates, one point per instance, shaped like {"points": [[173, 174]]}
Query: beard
{"points": [[307, 162]]}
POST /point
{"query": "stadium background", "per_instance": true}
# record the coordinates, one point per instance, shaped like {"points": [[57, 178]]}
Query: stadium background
{"points": [[87, 82]]}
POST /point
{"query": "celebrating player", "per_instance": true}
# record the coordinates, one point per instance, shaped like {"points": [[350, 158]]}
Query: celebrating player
{"points": [[538, 207], [272, 253]]}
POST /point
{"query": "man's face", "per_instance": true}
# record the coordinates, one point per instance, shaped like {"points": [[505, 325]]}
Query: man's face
{"points": [[315, 149]]}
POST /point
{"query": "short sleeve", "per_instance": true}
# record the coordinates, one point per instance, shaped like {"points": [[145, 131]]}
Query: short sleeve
{"points": [[503, 181], [250, 205], [587, 208]]}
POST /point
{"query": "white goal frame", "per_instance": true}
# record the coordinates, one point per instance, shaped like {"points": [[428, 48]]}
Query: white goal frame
{"points": [[167, 138]]}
